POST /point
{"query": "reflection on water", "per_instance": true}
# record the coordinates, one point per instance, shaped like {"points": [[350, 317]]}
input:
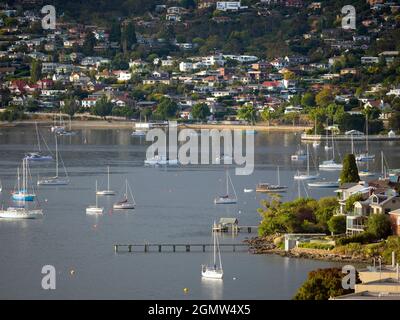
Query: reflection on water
{"points": [[212, 288]]}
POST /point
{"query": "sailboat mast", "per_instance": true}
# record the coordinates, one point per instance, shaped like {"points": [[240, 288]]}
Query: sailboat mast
{"points": [[227, 183], [279, 178], [37, 136], [308, 160], [215, 249], [96, 194], [23, 175], [298, 189], [352, 145], [18, 180], [108, 177], [56, 156]]}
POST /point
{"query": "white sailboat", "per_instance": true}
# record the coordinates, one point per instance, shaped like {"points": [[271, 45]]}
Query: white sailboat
{"points": [[94, 210], [58, 129], [56, 180], [227, 198], [323, 184], [38, 156], [327, 146], [270, 188], [316, 144], [331, 165], [125, 203], [307, 175], [214, 271], [299, 156], [161, 161], [365, 157], [68, 132], [384, 168], [107, 192], [21, 210], [138, 133], [23, 193]]}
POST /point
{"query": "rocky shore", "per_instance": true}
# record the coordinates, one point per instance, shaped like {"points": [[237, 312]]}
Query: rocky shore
{"points": [[267, 246]]}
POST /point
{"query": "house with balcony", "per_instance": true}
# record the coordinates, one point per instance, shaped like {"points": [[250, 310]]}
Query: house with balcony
{"points": [[377, 203]]}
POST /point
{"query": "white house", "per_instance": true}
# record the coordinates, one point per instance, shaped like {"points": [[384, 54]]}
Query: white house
{"points": [[88, 102], [185, 66], [230, 6], [123, 75]]}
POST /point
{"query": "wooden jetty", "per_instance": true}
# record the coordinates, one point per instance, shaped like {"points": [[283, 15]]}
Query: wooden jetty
{"points": [[235, 228], [178, 247], [232, 225]]}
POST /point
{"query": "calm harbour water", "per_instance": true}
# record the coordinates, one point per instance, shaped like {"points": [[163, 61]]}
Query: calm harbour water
{"points": [[174, 205]]}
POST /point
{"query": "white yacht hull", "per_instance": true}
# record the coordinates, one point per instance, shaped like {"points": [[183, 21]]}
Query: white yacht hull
{"points": [[212, 273], [322, 184], [94, 210], [125, 206], [16, 213], [105, 193], [305, 177], [53, 182], [225, 200]]}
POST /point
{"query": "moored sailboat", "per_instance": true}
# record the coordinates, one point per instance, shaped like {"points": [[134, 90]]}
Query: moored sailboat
{"points": [[107, 192], [94, 209], [22, 193], [56, 180], [214, 271], [227, 198], [307, 175], [126, 203], [270, 188], [37, 156]]}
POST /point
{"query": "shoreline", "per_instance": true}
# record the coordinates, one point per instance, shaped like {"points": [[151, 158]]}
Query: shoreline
{"points": [[259, 246], [126, 124]]}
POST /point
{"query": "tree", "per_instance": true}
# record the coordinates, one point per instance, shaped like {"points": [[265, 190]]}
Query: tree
{"points": [[266, 115], [308, 99], [324, 97], [36, 70], [103, 107], [323, 284], [247, 112], [350, 170], [188, 4], [128, 37], [31, 105], [379, 225], [115, 32], [166, 109], [71, 106], [146, 113], [337, 224], [200, 111], [88, 44]]}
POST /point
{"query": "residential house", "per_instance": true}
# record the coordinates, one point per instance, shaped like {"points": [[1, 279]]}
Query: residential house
{"points": [[230, 6]]}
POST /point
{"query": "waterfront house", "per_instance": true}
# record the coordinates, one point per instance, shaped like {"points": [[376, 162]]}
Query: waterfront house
{"points": [[381, 200]]}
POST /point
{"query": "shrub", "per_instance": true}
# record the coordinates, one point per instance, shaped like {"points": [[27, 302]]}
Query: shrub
{"points": [[319, 246], [322, 284], [337, 224], [362, 238], [379, 225]]}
